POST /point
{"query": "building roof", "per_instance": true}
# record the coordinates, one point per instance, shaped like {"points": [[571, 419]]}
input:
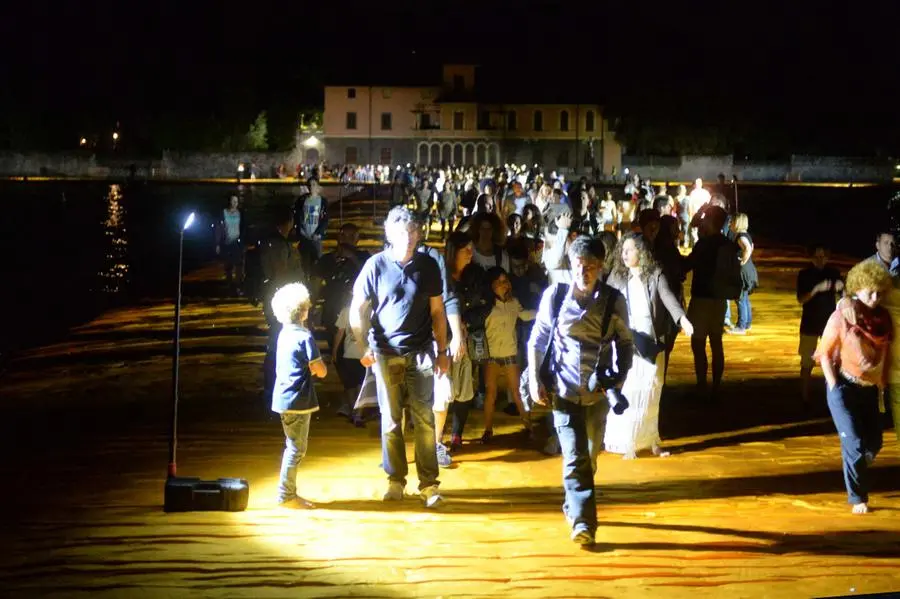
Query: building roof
{"points": [[492, 85]]}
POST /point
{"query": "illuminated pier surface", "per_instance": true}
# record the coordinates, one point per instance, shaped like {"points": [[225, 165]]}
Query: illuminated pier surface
{"points": [[750, 504]]}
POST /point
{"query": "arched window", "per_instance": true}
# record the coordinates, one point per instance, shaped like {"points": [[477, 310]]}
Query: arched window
{"points": [[538, 120], [564, 120], [589, 121]]}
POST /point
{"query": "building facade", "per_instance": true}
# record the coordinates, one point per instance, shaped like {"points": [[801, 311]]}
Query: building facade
{"points": [[452, 124]]}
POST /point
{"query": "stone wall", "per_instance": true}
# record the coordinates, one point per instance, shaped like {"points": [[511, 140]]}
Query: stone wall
{"points": [[554, 155], [798, 168]]}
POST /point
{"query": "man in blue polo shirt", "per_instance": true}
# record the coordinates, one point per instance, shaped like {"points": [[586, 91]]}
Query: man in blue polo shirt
{"points": [[397, 300]]}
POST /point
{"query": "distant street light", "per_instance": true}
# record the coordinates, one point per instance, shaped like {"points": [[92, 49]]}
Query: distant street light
{"points": [[310, 141], [115, 136], [83, 141]]}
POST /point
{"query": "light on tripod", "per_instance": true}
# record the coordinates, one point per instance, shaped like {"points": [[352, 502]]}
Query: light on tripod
{"points": [[187, 494]]}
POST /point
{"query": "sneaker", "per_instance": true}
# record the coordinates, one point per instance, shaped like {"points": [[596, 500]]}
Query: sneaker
{"points": [[583, 536], [296, 503], [455, 443], [431, 497], [443, 456], [344, 411], [394, 492], [738, 331]]}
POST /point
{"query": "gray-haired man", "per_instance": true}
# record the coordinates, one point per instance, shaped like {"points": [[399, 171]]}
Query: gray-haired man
{"points": [[398, 301]]}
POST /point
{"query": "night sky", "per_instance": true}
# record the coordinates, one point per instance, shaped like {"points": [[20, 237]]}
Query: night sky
{"points": [[798, 66]]}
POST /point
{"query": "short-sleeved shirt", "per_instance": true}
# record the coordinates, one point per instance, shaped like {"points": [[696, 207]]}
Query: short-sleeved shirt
{"points": [[819, 309], [401, 301], [294, 390]]}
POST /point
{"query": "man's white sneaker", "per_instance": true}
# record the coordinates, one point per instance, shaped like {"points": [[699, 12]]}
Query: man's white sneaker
{"points": [[431, 497], [394, 492]]}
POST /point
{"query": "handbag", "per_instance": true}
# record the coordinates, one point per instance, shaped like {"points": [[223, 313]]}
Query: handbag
{"points": [[477, 346], [646, 346]]}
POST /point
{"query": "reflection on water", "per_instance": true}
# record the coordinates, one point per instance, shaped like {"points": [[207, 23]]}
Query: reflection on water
{"points": [[114, 274]]}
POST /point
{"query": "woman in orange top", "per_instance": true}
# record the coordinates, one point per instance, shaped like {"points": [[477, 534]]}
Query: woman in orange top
{"points": [[852, 354]]}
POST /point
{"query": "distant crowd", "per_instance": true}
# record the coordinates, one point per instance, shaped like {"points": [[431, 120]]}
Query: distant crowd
{"points": [[568, 298]]}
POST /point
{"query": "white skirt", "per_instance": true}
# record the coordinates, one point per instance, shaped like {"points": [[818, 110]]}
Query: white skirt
{"points": [[637, 428]]}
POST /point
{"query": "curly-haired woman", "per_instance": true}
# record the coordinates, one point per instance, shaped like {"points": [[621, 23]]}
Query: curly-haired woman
{"points": [[852, 353], [650, 304]]}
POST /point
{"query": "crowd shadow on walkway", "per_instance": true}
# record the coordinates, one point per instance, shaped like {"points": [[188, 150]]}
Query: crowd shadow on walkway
{"points": [[884, 480]]}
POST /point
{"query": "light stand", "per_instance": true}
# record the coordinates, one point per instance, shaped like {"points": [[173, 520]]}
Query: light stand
{"points": [[188, 494], [176, 353]]}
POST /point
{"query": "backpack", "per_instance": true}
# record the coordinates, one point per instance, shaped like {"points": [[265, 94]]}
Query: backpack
{"points": [[727, 282]]}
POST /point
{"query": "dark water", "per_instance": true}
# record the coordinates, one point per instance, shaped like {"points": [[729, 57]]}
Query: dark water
{"points": [[69, 250]]}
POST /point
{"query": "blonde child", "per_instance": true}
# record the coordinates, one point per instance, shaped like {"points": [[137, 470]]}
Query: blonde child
{"points": [[500, 327], [297, 360]]}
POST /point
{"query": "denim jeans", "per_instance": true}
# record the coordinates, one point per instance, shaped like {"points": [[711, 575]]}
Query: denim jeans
{"points": [[580, 430], [296, 435], [745, 315], [407, 381], [854, 409]]}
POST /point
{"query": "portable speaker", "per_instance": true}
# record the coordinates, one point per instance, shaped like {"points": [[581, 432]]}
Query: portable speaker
{"points": [[189, 494]]}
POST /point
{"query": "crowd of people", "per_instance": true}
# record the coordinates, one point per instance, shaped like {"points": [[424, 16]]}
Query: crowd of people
{"points": [[569, 299]]}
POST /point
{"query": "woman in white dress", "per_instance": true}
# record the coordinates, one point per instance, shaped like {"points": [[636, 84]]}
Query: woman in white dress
{"points": [[650, 302]]}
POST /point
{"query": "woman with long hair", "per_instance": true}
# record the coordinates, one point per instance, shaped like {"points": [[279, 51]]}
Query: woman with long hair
{"points": [[532, 222], [489, 234], [852, 353], [670, 260], [749, 276], [466, 281], [650, 303]]}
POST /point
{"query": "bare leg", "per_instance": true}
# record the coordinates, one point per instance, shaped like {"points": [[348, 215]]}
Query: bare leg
{"points": [[491, 372], [701, 365], [512, 384], [440, 419]]}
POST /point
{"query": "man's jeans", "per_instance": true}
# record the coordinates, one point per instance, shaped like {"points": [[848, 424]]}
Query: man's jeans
{"points": [[580, 430], [854, 409], [296, 435], [407, 381]]}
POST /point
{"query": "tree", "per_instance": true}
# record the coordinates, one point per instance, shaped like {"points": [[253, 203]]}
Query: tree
{"points": [[257, 136]]}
